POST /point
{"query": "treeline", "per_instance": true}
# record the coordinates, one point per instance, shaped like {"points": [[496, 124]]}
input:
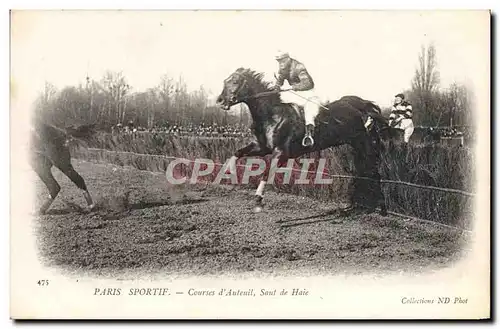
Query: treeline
{"points": [[111, 100]]}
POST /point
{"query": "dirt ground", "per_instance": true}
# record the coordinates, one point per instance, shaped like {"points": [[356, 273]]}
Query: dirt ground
{"points": [[142, 224]]}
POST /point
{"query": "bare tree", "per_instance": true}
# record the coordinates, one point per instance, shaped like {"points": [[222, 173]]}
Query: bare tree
{"points": [[116, 88], [44, 101], [425, 83], [153, 96], [426, 77], [459, 105], [49, 91]]}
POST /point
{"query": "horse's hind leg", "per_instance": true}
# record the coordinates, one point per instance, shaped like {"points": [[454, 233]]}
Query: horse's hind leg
{"points": [[374, 186], [79, 182], [366, 191], [42, 167], [64, 164]]}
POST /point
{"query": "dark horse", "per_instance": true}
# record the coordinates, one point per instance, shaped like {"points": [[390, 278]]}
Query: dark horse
{"points": [[49, 146], [279, 128]]}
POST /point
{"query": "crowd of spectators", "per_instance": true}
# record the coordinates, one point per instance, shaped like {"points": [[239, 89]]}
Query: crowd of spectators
{"points": [[201, 130], [217, 130], [450, 132]]}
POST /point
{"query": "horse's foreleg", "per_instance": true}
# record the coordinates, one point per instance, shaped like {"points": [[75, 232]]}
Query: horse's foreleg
{"points": [[278, 158], [259, 194], [249, 150]]}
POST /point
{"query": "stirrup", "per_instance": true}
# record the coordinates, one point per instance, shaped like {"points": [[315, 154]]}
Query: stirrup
{"points": [[304, 141]]}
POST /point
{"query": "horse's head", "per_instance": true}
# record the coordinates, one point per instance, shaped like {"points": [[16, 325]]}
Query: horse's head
{"points": [[235, 90]]}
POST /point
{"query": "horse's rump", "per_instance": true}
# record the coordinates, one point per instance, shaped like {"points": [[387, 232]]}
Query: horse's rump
{"points": [[82, 131], [362, 104]]}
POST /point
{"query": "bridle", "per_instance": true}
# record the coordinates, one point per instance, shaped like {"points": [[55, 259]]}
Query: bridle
{"points": [[235, 100], [234, 97]]}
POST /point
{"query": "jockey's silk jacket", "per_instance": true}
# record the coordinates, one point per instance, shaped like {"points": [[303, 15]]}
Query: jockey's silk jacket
{"points": [[297, 76], [402, 110]]}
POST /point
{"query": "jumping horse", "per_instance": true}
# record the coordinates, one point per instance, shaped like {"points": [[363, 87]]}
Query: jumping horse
{"points": [[49, 146], [279, 128]]}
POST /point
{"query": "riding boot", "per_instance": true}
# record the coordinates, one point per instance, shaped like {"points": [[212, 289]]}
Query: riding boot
{"points": [[308, 140]]}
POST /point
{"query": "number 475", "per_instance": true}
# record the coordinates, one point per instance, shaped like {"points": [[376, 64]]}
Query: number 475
{"points": [[43, 282]]}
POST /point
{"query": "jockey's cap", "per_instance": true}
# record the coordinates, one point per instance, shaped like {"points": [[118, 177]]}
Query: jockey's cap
{"points": [[400, 96], [281, 55]]}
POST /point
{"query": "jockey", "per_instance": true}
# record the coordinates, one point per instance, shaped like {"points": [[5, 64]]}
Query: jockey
{"points": [[301, 93], [401, 116]]}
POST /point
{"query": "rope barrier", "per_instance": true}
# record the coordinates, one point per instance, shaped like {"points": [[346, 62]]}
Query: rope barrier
{"points": [[389, 212], [299, 170], [427, 221], [386, 181]]}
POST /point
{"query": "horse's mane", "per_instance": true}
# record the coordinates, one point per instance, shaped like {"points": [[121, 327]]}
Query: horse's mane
{"points": [[257, 77]]}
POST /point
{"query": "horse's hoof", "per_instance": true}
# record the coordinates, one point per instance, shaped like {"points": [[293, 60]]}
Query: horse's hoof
{"points": [[345, 211], [90, 208], [355, 210], [257, 209], [258, 204]]}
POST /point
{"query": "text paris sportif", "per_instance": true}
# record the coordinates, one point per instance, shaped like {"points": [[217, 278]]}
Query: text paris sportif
{"points": [[210, 145], [225, 292], [229, 292]]}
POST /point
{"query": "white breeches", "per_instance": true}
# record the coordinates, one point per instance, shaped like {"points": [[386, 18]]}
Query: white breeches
{"points": [[307, 99], [407, 126]]}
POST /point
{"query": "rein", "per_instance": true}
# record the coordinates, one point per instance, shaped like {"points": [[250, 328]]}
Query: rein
{"points": [[269, 93], [273, 92], [262, 94]]}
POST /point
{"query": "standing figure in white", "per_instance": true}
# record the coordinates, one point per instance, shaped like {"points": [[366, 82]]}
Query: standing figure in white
{"points": [[401, 116]]}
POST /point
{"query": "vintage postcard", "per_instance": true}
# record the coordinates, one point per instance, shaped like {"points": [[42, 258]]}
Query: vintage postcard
{"points": [[271, 164]]}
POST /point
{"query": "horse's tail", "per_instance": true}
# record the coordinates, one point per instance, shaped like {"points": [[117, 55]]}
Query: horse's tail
{"points": [[380, 127], [376, 113], [381, 122], [368, 108]]}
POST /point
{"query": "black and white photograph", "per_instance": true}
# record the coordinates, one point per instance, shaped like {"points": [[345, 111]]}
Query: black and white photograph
{"points": [[250, 164]]}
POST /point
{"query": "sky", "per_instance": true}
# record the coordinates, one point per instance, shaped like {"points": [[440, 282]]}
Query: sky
{"points": [[372, 54]]}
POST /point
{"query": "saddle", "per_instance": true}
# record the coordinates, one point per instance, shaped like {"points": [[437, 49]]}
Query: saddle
{"points": [[300, 111]]}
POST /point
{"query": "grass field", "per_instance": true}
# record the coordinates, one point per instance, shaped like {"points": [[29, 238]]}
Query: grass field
{"points": [[142, 224]]}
